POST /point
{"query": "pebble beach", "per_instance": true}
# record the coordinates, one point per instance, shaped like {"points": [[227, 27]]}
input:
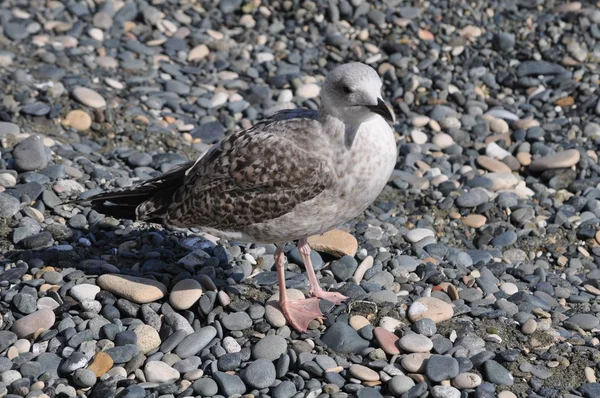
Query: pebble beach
{"points": [[476, 273]]}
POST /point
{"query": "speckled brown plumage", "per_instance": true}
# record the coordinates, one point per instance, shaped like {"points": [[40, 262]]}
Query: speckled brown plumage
{"points": [[252, 176]]}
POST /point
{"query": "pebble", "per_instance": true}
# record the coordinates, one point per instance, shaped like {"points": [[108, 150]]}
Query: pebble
{"points": [[147, 338], [431, 308], [88, 97], [415, 343], [270, 347], [363, 373], [260, 374], [160, 372], [79, 120], [336, 243], [139, 290], [419, 234], [185, 294], [558, 160], [441, 367], [26, 326]]}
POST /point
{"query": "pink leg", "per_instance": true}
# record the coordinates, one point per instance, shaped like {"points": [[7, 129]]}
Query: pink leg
{"points": [[298, 313], [315, 289]]}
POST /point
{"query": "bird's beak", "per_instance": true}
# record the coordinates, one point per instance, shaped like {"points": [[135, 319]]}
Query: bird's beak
{"points": [[383, 109]]}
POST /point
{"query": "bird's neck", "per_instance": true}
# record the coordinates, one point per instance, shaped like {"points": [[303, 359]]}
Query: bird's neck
{"points": [[340, 132]]}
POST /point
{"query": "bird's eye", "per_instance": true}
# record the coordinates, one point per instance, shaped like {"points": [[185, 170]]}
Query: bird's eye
{"points": [[347, 90]]}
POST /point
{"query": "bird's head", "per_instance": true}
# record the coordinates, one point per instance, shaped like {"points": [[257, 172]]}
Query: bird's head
{"points": [[352, 93]]}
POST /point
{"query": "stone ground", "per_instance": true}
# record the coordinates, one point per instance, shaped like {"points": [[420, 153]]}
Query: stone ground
{"points": [[475, 274]]}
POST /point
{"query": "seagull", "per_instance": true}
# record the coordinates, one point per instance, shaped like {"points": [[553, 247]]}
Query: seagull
{"points": [[292, 175]]}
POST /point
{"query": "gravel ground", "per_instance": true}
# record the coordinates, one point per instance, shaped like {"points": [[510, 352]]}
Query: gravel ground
{"points": [[476, 273]]}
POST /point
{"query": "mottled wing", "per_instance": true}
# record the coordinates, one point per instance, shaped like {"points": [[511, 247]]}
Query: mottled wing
{"points": [[253, 176]]}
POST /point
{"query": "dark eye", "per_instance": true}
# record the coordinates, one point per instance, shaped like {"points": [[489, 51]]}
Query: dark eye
{"points": [[347, 90]]}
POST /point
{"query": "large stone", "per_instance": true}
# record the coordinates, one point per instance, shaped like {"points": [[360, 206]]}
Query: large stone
{"points": [[430, 307], [337, 243], [133, 288], [26, 327]]}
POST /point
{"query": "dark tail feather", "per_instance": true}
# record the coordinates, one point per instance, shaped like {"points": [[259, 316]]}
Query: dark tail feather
{"points": [[147, 201]]}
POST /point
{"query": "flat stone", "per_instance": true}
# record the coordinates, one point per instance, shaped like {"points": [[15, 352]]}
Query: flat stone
{"points": [[237, 321], [415, 343], [26, 327], [363, 373], [492, 165], [88, 97], [133, 288], [559, 160], [101, 364], [336, 242], [430, 307], [474, 220], [160, 372], [387, 340], [185, 294], [585, 321], [417, 234]]}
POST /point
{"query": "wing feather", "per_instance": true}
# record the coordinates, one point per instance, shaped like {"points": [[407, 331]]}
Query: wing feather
{"points": [[251, 177]]}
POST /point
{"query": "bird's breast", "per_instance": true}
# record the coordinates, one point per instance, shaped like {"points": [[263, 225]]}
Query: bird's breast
{"points": [[367, 168]]}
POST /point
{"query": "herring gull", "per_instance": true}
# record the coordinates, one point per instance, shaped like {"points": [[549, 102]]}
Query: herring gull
{"points": [[292, 175]]}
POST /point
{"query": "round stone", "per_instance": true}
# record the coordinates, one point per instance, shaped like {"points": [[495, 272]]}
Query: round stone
{"points": [[88, 97], [441, 367], [79, 120], [185, 294], [147, 338], [270, 347], [260, 374], [84, 378], [442, 140], [205, 387], [400, 384]]}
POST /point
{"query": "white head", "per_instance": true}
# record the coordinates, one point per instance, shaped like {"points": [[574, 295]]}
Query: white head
{"points": [[352, 93]]}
